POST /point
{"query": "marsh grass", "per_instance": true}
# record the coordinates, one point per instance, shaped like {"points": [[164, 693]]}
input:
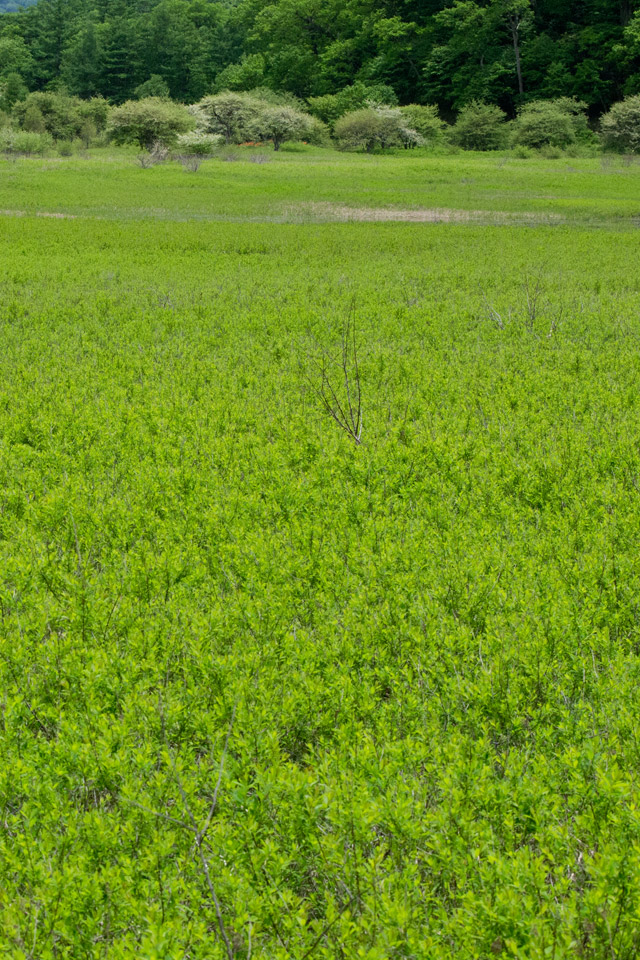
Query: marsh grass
{"points": [[417, 655]]}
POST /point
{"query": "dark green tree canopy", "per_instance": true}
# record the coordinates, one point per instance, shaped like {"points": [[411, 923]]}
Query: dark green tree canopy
{"points": [[444, 52]]}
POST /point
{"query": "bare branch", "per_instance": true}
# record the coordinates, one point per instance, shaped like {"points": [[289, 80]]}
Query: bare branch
{"points": [[326, 929], [346, 413], [199, 834], [214, 802]]}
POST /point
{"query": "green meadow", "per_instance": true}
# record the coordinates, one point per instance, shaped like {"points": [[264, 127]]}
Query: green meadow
{"points": [[270, 693], [300, 182]]}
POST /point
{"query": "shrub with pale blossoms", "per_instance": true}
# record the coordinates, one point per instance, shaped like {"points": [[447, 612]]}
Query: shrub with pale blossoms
{"points": [[198, 143]]}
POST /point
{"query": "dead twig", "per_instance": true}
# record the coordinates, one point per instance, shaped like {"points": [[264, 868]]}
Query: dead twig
{"points": [[533, 290], [200, 832], [345, 411]]}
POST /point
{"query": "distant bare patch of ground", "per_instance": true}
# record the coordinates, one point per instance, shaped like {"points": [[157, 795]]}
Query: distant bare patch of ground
{"points": [[37, 213], [56, 216], [342, 213]]}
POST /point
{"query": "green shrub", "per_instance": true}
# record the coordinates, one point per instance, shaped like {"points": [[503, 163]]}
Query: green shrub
{"points": [[149, 121], [227, 113], [280, 124], [56, 113], [317, 132], [24, 142], [523, 153], [577, 110], [6, 138], [550, 152], [88, 132], [65, 148], [32, 119], [375, 127], [32, 144], [359, 130], [621, 126], [330, 107], [550, 123], [425, 120], [480, 126], [96, 110]]}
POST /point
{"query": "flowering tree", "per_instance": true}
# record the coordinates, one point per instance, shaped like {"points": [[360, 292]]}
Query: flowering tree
{"points": [[281, 124], [147, 121]]}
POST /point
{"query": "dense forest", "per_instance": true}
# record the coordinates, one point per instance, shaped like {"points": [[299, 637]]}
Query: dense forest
{"points": [[428, 51]]}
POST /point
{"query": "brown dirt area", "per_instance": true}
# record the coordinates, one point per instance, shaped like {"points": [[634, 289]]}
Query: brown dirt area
{"points": [[340, 212]]}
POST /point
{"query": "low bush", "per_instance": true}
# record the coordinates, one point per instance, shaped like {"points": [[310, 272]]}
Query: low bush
{"points": [[156, 154], [330, 107], [550, 123], [550, 152], [54, 113], [148, 121], [280, 124], [426, 121], [191, 162], [480, 126], [375, 128], [621, 126], [196, 143], [88, 133], [317, 132], [228, 113], [24, 142], [96, 111], [523, 153]]}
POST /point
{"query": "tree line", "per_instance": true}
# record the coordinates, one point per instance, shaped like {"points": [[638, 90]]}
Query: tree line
{"points": [[443, 52]]}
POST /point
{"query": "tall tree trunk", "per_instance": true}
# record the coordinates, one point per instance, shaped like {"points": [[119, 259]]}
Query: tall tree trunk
{"points": [[515, 24], [626, 10]]}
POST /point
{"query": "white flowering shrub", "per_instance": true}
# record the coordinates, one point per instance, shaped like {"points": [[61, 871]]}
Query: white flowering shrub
{"points": [[198, 143], [375, 127]]}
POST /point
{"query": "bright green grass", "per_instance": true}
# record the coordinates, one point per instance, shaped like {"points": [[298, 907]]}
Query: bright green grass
{"points": [[424, 651], [595, 190]]}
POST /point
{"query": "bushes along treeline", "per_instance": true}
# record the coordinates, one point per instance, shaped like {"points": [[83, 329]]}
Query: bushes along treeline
{"points": [[33, 122]]}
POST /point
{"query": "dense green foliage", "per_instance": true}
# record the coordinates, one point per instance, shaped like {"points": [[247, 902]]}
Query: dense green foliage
{"points": [[621, 125], [148, 121], [556, 123], [372, 127], [423, 51], [412, 665], [480, 126]]}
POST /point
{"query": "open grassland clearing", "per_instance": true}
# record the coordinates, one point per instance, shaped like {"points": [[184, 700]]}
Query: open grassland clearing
{"points": [[299, 181], [412, 665]]}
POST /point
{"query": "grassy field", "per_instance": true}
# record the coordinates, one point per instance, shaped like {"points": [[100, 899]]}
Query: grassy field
{"points": [[302, 183], [267, 693]]}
